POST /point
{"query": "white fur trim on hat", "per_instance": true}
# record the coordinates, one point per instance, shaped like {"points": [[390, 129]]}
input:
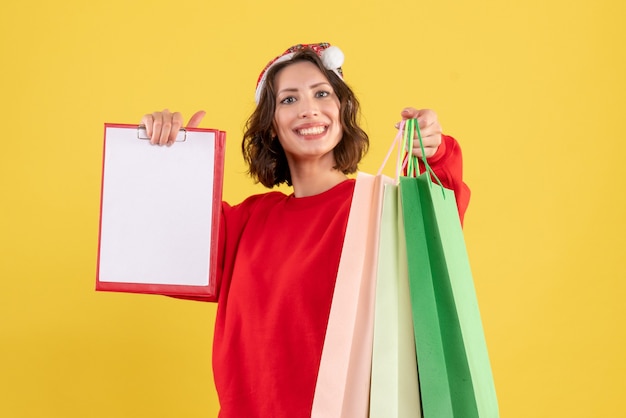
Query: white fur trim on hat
{"points": [[332, 58]]}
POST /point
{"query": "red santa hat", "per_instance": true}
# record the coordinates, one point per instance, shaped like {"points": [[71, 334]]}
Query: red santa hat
{"points": [[331, 57]]}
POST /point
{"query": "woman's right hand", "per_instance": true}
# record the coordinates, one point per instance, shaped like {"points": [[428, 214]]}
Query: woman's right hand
{"points": [[162, 127]]}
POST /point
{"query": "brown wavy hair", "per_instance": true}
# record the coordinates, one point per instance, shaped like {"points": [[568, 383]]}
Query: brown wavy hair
{"points": [[266, 159]]}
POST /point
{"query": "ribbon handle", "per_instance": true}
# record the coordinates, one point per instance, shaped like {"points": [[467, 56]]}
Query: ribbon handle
{"points": [[407, 162], [396, 142], [412, 127]]}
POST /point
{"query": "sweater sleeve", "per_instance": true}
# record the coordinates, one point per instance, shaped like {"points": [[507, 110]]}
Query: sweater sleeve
{"points": [[447, 164]]}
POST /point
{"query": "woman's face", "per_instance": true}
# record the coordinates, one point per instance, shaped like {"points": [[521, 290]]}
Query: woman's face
{"points": [[307, 120]]}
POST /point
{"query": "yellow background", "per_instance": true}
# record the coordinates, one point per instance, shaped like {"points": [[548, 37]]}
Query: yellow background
{"points": [[534, 91]]}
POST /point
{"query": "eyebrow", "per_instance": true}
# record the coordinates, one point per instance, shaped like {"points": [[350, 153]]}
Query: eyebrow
{"points": [[312, 86]]}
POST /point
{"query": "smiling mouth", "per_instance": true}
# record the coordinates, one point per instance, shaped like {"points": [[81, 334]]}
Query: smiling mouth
{"points": [[316, 130]]}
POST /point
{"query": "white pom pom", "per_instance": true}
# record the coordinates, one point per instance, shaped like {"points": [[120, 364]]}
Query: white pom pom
{"points": [[332, 58]]}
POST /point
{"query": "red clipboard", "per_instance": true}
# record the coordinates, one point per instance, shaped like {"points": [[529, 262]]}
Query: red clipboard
{"points": [[160, 212]]}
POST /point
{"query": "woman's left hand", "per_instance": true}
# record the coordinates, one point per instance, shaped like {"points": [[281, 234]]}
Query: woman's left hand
{"points": [[430, 130]]}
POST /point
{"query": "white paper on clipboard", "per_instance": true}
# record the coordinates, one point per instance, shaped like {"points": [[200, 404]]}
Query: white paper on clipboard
{"points": [[160, 209]]}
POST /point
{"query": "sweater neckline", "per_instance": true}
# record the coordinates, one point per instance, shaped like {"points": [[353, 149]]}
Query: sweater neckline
{"points": [[332, 193]]}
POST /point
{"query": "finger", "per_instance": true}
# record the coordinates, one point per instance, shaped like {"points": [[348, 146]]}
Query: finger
{"points": [[430, 137], [430, 142], [430, 128], [165, 127], [147, 121], [433, 130], [427, 127], [177, 124], [398, 124], [195, 120], [427, 142], [409, 113], [426, 118], [157, 123], [406, 113]]}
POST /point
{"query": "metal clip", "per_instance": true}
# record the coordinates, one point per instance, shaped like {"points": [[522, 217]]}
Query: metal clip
{"points": [[143, 134]]}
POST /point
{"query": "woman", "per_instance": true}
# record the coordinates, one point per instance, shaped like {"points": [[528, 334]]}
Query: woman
{"points": [[280, 253]]}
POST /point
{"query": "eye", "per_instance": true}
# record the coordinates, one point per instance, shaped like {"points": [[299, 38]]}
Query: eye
{"points": [[288, 100], [322, 93]]}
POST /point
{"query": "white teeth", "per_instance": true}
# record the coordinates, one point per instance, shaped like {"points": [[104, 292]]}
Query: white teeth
{"points": [[312, 131]]}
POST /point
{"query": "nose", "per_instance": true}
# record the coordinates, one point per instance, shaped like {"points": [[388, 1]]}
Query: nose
{"points": [[308, 107]]}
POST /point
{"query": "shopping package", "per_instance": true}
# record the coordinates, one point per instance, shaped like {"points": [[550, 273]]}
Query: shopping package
{"points": [[394, 390], [454, 370], [343, 382]]}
